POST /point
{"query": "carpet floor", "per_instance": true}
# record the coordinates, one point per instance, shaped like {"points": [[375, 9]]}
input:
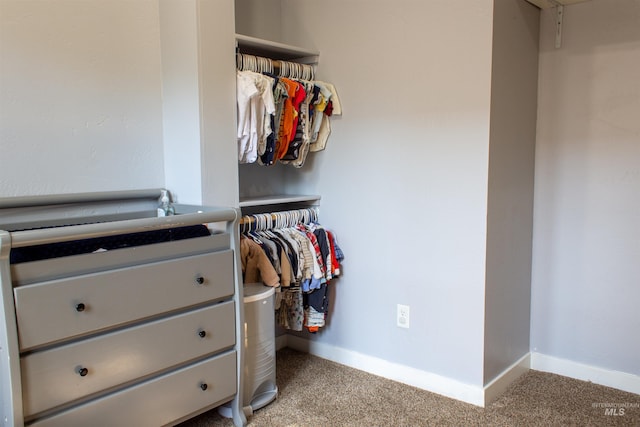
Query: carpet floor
{"points": [[314, 392]]}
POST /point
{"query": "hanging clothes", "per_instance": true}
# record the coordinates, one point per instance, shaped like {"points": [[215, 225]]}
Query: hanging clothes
{"points": [[305, 258], [282, 119], [299, 147], [289, 122], [256, 267], [279, 95], [256, 105]]}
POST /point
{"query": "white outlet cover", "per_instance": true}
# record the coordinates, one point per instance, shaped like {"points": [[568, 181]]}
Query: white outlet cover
{"points": [[403, 316]]}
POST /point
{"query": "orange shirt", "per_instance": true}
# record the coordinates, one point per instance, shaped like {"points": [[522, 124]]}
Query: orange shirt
{"points": [[290, 113], [286, 122]]}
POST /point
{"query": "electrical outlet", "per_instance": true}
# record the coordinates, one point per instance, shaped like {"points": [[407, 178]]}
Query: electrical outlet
{"points": [[403, 316]]}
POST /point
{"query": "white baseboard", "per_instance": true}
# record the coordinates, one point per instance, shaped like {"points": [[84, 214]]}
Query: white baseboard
{"points": [[499, 384], [479, 396], [425, 380], [568, 368]]}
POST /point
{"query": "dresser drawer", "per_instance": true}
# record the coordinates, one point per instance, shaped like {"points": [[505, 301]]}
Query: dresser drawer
{"points": [[54, 310], [159, 401], [53, 377]]}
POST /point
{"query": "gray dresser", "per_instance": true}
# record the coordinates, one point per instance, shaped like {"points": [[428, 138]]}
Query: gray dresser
{"points": [[142, 335]]}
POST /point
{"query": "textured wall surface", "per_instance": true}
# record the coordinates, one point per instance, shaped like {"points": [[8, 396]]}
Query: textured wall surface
{"points": [[80, 96], [586, 264]]}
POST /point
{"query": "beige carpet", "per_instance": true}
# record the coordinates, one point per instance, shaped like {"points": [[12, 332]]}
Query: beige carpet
{"points": [[317, 392]]}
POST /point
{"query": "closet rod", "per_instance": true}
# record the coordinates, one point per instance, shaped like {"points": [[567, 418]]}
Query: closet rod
{"points": [[260, 64], [247, 219], [301, 215]]}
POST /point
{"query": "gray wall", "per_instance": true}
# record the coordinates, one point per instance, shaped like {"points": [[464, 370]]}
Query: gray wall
{"points": [[198, 88], [259, 18], [514, 80], [586, 259], [80, 96], [110, 95], [404, 176]]}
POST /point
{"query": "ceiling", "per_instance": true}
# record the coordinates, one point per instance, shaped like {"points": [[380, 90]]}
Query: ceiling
{"points": [[544, 4]]}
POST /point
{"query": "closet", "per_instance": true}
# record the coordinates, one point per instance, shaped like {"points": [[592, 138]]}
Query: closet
{"points": [[279, 219], [277, 186]]}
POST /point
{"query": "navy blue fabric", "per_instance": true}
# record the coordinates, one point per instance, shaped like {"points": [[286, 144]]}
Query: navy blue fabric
{"points": [[318, 299], [76, 247]]}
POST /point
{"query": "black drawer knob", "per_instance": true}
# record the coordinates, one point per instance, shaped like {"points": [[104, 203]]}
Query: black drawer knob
{"points": [[83, 371], [80, 307], [202, 334], [199, 280], [203, 386]]}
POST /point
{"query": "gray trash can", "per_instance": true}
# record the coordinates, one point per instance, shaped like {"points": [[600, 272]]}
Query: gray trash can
{"points": [[259, 385]]}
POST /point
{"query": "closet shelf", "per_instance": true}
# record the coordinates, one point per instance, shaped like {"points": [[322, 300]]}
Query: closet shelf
{"points": [[277, 200], [545, 4], [275, 50]]}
